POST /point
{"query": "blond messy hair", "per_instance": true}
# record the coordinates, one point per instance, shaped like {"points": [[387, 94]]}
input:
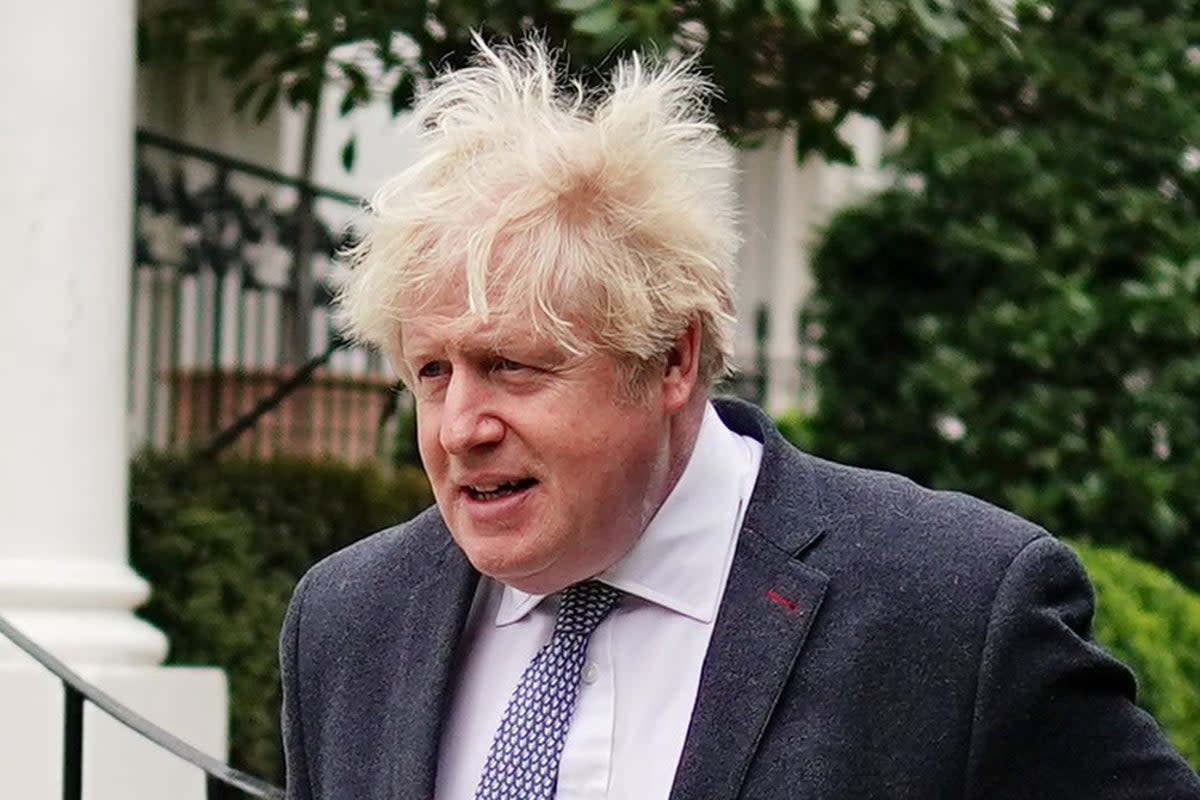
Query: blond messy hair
{"points": [[606, 223]]}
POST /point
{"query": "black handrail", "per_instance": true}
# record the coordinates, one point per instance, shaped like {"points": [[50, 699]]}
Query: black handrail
{"points": [[152, 139], [221, 438], [219, 776]]}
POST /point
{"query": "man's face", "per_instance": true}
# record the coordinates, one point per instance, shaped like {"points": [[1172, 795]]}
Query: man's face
{"points": [[544, 471]]}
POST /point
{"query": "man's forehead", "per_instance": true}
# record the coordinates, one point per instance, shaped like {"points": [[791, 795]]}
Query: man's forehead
{"points": [[442, 317], [469, 331]]}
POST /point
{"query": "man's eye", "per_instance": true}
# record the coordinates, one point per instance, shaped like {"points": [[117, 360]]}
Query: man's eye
{"points": [[434, 369], [507, 364]]}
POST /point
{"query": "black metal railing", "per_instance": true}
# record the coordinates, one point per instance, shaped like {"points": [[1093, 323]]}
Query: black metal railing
{"points": [[218, 323], [228, 355], [221, 780]]}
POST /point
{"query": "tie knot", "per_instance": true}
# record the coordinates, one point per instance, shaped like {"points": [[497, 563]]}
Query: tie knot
{"points": [[584, 606]]}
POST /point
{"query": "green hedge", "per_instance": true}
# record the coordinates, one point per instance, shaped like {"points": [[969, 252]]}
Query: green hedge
{"points": [[223, 547], [1152, 623], [1019, 317]]}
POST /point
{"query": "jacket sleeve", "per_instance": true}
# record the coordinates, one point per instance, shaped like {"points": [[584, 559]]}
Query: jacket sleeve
{"points": [[291, 716], [1054, 713]]}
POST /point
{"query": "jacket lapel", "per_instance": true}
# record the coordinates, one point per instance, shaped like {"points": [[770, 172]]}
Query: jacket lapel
{"points": [[770, 602], [432, 615], [768, 610]]}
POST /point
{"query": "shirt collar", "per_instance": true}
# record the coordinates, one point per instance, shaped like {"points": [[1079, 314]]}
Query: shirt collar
{"points": [[680, 560]]}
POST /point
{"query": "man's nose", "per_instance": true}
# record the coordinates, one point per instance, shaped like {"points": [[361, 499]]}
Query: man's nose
{"points": [[469, 418]]}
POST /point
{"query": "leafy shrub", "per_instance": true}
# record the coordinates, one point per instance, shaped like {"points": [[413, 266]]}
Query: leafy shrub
{"points": [[1019, 318], [223, 545], [405, 450], [1152, 623], [797, 427]]}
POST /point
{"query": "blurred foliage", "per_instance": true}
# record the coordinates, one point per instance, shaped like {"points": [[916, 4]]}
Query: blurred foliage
{"points": [[777, 62], [1152, 623], [406, 451], [1020, 317], [797, 428], [223, 552]]}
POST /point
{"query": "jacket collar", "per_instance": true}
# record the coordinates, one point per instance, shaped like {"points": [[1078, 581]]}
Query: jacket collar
{"points": [[767, 611]]}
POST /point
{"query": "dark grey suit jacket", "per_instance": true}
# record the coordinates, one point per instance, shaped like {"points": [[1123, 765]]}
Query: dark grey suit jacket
{"points": [[876, 640]]}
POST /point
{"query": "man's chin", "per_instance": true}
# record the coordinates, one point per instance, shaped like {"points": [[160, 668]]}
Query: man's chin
{"points": [[532, 573], [497, 555]]}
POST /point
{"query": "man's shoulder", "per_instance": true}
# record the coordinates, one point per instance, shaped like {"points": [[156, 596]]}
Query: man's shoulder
{"points": [[402, 552], [897, 555], [892, 511], [872, 522], [925, 553]]}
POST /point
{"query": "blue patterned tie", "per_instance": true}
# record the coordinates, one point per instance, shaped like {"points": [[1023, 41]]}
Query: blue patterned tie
{"points": [[523, 761]]}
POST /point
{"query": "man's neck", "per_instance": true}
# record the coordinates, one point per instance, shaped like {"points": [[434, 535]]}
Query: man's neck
{"points": [[685, 429]]}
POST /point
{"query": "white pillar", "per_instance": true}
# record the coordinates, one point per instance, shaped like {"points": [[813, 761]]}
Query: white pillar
{"points": [[791, 273], [786, 205], [66, 154], [66, 172], [774, 267]]}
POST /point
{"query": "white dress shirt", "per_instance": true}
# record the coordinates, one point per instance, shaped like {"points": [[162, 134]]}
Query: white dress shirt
{"points": [[643, 665]]}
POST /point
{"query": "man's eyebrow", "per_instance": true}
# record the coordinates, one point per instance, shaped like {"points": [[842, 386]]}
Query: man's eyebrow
{"points": [[417, 350], [544, 351]]}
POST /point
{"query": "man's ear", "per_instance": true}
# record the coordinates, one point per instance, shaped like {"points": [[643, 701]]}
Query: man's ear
{"points": [[682, 368]]}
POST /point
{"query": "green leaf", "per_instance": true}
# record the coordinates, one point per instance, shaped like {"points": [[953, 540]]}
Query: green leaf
{"points": [[601, 19], [348, 152], [305, 90], [360, 85], [242, 97], [403, 93], [941, 22], [577, 6], [266, 103], [806, 10]]}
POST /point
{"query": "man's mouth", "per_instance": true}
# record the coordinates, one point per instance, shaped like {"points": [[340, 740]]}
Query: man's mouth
{"points": [[494, 491]]}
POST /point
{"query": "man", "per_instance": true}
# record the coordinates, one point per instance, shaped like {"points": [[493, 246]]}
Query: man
{"points": [[626, 590]]}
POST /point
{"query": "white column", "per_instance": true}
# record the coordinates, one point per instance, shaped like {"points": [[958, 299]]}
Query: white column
{"points": [[66, 154], [756, 193], [786, 205], [791, 274], [773, 265], [66, 172]]}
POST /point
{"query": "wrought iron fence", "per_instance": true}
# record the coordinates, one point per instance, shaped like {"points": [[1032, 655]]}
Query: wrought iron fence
{"points": [[221, 780], [224, 355], [216, 326]]}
